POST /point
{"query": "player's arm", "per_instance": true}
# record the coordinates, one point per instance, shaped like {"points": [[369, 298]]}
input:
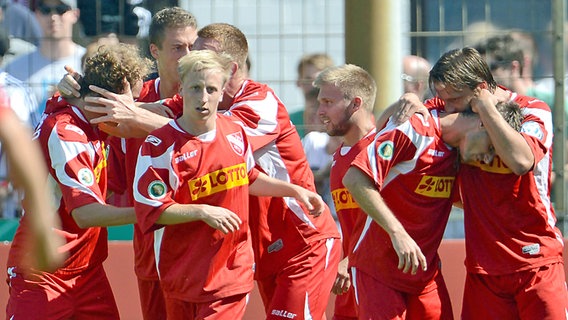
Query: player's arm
{"points": [[103, 215], [131, 120], [363, 190], [509, 144], [342, 280], [216, 217], [402, 109], [28, 172], [268, 186]]}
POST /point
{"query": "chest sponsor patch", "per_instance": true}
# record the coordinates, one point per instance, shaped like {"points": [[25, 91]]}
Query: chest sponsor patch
{"points": [[435, 187], [342, 199], [218, 181]]}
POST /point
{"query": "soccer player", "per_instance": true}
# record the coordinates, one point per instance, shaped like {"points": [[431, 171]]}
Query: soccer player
{"points": [[404, 181], [340, 88], [75, 153], [513, 249], [192, 189]]}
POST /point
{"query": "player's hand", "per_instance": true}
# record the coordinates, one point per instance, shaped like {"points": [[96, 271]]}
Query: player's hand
{"points": [[410, 257], [221, 219], [482, 100], [409, 104], [159, 109], [313, 201], [118, 112], [69, 86], [342, 280]]}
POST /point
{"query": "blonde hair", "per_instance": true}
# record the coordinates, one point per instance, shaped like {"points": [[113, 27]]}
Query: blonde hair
{"points": [[352, 80], [203, 60]]}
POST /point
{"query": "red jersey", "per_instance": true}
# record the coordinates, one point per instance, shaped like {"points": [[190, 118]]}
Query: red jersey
{"points": [[75, 156], [509, 219], [197, 263], [281, 227], [347, 210], [415, 173]]}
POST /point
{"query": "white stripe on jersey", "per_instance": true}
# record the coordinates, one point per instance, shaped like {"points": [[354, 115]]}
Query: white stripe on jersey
{"points": [[62, 152]]}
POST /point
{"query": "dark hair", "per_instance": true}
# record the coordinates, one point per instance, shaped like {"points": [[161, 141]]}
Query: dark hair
{"points": [[461, 68]]}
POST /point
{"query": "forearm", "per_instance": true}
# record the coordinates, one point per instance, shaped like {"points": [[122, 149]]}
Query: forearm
{"points": [[267, 186], [370, 200], [103, 215], [509, 144], [181, 213]]}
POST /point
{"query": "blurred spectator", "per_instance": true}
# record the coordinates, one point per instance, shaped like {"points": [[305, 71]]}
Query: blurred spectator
{"points": [[508, 59], [43, 68], [20, 22], [310, 65], [24, 105], [415, 76]]}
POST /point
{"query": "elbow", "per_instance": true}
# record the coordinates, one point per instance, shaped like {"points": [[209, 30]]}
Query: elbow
{"points": [[82, 221], [522, 166]]}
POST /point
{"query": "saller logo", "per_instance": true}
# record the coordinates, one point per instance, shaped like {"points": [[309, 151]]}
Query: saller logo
{"points": [[217, 181], [343, 199], [435, 187], [283, 313]]}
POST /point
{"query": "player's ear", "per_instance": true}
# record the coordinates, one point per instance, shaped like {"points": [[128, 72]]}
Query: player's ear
{"points": [[357, 103]]}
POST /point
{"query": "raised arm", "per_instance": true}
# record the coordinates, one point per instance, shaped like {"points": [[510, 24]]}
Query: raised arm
{"points": [[509, 144]]}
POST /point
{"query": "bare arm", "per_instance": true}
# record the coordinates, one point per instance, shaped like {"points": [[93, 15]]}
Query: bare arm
{"points": [[410, 257], [216, 217], [509, 144], [103, 215], [28, 171], [342, 280], [131, 120], [402, 110], [267, 186]]}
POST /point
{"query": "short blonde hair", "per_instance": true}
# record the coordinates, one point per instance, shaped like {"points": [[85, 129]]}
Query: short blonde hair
{"points": [[203, 60], [352, 80]]}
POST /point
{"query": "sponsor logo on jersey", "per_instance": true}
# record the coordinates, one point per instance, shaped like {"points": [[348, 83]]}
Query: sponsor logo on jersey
{"points": [[185, 156], [496, 166], [157, 189], [386, 150], [283, 313], [75, 129], [153, 140], [236, 142], [342, 199], [218, 181], [86, 177], [532, 129], [435, 187], [436, 153]]}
